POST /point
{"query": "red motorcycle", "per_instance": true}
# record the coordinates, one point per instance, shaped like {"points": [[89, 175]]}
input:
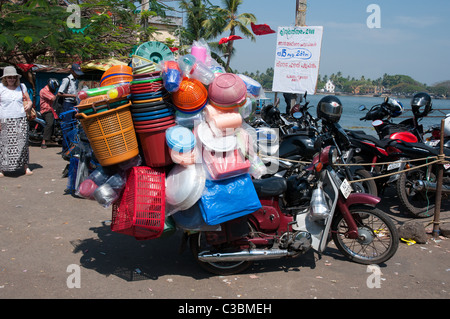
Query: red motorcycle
{"points": [[297, 214]]}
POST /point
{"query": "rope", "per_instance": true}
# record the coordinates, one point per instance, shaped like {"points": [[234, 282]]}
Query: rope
{"points": [[438, 159]]}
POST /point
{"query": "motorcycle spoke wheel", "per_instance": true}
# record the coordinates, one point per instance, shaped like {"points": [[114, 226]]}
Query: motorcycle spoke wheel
{"points": [[378, 236], [417, 204], [198, 244]]}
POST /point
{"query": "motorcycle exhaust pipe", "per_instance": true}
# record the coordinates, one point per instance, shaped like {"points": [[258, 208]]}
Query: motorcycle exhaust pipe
{"points": [[246, 255], [430, 186]]}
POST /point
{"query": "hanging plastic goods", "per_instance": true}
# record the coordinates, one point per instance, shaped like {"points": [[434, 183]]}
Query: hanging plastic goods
{"points": [[181, 142], [171, 75], [223, 120], [267, 140], [82, 95], [211, 142], [184, 187], [253, 87], [196, 69], [189, 120], [227, 199], [227, 91], [223, 165], [191, 219]]}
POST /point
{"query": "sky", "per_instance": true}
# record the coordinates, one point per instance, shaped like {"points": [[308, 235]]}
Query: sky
{"points": [[413, 38]]}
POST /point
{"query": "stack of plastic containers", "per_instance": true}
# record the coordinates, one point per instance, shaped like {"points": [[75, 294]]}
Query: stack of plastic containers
{"points": [[152, 114]]}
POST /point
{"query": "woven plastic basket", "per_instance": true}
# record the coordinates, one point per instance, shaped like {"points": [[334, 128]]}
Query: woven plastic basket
{"points": [[140, 210], [111, 135]]}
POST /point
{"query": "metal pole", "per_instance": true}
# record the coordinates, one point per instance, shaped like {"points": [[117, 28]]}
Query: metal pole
{"points": [[440, 176]]}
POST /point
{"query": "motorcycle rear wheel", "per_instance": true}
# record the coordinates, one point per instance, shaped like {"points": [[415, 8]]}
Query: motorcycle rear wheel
{"points": [[197, 243], [417, 204], [369, 186], [378, 236]]}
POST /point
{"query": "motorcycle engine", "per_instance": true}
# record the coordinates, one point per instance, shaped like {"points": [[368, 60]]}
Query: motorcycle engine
{"points": [[298, 191]]}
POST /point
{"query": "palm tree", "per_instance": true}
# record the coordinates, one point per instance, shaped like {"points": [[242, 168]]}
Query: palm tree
{"points": [[227, 19]]}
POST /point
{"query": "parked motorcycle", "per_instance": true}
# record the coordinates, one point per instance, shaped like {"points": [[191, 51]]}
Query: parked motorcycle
{"points": [[283, 227], [298, 144], [416, 189]]}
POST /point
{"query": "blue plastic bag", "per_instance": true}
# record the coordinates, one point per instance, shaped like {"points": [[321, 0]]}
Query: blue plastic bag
{"points": [[227, 199]]}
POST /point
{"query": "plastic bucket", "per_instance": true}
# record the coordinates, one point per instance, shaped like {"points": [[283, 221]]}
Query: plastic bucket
{"points": [[154, 146], [155, 121], [146, 127]]}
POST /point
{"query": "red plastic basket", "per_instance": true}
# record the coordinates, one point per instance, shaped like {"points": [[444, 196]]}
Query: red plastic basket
{"points": [[140, 210]]}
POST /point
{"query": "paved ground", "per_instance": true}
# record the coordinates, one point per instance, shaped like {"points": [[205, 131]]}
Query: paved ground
{"points": [[48, 237]]}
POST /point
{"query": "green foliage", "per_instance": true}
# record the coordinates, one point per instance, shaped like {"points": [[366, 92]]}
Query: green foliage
{"points": [[37, 30]]}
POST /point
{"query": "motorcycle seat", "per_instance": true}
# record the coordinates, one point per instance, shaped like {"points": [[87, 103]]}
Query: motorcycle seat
{"points": [[363, 136], [272, 186]]}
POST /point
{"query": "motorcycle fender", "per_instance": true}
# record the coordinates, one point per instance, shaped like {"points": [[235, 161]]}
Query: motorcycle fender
{"points": [[319, 230], [361, 198]]}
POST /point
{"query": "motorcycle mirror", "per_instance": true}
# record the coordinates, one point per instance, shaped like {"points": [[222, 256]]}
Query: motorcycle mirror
{"points": [[362, 107], [297, 115], [318, 143], [377, 123]]}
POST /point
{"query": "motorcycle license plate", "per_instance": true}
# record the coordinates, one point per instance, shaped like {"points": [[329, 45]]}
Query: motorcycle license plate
{"points": [[345, 188], [394, 165]]}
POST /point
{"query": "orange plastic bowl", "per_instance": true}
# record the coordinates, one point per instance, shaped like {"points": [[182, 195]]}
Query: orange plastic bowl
{"points": [[117, 74], [191, 95]]}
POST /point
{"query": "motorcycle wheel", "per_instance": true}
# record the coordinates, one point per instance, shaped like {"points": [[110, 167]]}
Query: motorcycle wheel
{"points": [[378, 236], [369, 186], [197, 243], [417, 204]]}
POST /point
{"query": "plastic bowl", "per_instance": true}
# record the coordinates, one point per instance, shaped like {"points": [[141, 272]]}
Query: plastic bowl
{"points": [[192, 94], [227, 89]]}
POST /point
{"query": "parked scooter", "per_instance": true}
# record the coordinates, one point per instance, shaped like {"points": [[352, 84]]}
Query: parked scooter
{"points": [[283, 228]]}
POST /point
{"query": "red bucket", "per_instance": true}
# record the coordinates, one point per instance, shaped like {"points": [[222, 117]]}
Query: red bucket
{"points": [[154, 146]]}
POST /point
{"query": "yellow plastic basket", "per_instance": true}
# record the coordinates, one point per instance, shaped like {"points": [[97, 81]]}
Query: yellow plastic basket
{"points": [[111, 135]]}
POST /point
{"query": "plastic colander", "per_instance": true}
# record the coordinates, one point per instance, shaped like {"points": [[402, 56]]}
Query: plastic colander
{"points": [[227, 89]]}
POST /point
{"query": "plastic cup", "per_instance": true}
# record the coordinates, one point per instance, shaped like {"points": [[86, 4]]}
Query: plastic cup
{"points": [[199, 53], [202, 73]]}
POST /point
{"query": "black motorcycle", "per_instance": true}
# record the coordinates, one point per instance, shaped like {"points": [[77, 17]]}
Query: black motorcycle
{"points": [[416, 188], [297, 138]]}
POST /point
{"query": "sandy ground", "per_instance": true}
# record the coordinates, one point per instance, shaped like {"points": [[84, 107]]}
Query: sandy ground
{"points": [[47, 238]]}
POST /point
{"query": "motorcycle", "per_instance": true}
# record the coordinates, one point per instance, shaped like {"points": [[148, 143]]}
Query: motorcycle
{"points": [[416, 188], [369, 149], [297, 144], [381, 115], [283, 228]]}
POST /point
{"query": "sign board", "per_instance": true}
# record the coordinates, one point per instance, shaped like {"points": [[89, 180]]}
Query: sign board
{"points": [[297, 59]]}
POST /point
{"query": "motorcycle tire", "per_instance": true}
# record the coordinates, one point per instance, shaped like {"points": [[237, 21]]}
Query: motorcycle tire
{"points": [[417, 204], [369, 186], [378, 237], [197, 244]]}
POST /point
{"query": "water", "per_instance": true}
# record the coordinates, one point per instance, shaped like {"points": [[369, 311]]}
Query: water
{"points": [[350, 118]]}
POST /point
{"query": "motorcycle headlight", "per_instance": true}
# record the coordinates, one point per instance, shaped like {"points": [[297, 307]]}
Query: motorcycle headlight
{"points": [[332, 156]]}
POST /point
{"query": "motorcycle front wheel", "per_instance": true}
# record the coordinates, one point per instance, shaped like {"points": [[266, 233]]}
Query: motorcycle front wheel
{"points": [[378, 237], [417, 204], [198, 244]]}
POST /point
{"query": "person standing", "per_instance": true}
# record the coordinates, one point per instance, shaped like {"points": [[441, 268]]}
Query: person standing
{"points": [[14, 103], [47, 97], [68, 90]]}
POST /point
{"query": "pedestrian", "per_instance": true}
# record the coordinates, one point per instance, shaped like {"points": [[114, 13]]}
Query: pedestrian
{"points": [[289, 99], [47, 98], [14, 103], [68, 90]]}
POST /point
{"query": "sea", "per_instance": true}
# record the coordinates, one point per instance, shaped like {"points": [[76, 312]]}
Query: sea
{"points": [[351, 115]]}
